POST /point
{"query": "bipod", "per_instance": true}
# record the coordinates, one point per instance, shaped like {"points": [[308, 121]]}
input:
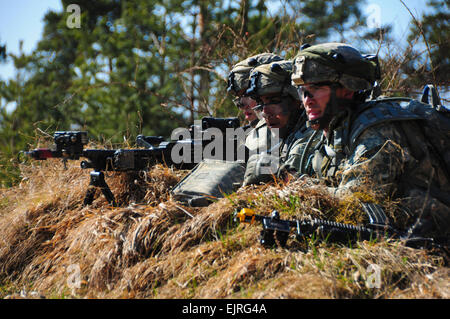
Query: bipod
{"points": [[98, 180]]}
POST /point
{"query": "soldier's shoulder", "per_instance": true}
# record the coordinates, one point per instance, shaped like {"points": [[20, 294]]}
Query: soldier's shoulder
{"points": [[377, 135], [260, 124], [301, 133], [378, 114]]}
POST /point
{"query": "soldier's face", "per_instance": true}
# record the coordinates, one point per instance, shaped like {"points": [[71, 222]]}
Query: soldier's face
{"points": [[246, 104], [315, 99], [273, 113]]}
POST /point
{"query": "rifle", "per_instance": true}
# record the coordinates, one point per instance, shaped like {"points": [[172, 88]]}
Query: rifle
{"points": [[69, 145], [276, 230]]}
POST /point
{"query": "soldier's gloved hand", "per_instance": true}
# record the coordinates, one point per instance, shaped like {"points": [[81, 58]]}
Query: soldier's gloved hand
{"points": [[261, 168]]}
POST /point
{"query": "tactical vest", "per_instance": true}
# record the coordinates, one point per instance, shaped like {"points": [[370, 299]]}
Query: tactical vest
{"points": [[434, 128], [434, 124], [258, 139]]}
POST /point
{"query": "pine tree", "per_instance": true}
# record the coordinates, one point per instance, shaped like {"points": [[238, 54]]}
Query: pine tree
{"points": [[146, 67], [429, 62]]}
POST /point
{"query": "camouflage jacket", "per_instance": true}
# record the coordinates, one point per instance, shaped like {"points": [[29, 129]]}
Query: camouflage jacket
{"points": [[263, 167], [258, 138], [383, 159]]}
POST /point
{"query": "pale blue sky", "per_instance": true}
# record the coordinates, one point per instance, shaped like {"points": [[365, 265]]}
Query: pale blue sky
{"points": [[23, 20]]}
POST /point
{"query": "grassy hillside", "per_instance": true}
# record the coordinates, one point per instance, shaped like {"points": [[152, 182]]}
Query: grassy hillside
{"points": [[152, 247]]}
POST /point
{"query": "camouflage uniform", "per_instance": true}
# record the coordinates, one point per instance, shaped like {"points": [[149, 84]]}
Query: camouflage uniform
{"points": [[391, 158], [269, 80], [382, 160], [257, 133], [258, 137]]}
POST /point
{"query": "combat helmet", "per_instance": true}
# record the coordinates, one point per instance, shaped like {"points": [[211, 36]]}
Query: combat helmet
{"points": [[272, 79], [238, 78], [336, 63]]}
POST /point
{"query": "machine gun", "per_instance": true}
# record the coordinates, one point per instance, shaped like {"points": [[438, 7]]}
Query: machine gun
{"points": [[203, 134], [276, 230], [69, 145], [222, 124]]}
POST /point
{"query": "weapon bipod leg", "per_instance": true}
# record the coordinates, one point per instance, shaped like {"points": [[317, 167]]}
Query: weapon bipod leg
{"points": [[98, 180]]}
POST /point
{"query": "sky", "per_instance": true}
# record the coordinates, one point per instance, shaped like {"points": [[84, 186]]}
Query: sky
{"points": [[23, 20]]}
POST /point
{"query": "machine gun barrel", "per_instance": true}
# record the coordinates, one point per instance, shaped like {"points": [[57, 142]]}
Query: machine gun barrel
{"points": [[42, 154]]}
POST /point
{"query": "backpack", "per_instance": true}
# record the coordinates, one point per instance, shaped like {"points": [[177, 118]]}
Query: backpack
{"points": [[435, 119], [434, 124]]}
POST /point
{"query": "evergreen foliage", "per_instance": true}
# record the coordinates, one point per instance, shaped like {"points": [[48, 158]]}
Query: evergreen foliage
{"points": [[147, 67]]}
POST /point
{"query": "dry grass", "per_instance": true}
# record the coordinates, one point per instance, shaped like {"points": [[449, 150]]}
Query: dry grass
{"points": [[152, 247]]}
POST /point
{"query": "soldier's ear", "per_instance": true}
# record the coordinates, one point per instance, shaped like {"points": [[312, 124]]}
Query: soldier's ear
{"points": [[344, 93]]}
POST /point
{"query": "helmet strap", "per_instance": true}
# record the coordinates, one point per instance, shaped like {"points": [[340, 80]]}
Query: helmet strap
{"points": [[230, 84]]}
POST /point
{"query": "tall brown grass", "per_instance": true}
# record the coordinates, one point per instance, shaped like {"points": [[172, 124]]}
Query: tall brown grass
{"points": [[153, 247]]}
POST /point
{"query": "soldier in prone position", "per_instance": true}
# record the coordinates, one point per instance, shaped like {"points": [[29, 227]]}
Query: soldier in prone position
{"points": [[280, 106], [372, 144], [238, 82]]}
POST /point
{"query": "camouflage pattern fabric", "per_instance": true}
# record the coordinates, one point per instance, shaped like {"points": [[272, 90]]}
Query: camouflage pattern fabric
{"points": [[238, 78], [383, 160], [295, 151], [263, 167], [258, 139], [335, 62], [272, 79]]}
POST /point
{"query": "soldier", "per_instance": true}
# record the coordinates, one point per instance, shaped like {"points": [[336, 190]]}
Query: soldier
{"points": [[238, 81], [366, 145], [280, 106], [211, 178]]}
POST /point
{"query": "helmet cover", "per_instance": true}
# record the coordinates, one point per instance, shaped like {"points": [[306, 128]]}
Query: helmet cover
{"points": [[338, 63], [238, 78], [272, 79]]}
